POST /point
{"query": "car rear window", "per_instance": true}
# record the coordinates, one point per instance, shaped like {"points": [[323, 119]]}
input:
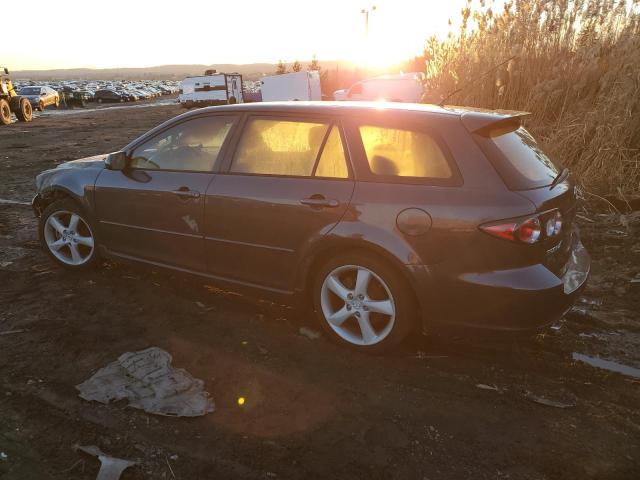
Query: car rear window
{"points": [[403, 153], [519, 160]]}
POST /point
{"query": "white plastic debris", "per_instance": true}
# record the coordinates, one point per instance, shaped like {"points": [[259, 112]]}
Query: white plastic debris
{"points": [[147, 379], [577, 269], [548, 401], [4, 201], [111, 468], [310, 334], [483, 386], [3, 456]]}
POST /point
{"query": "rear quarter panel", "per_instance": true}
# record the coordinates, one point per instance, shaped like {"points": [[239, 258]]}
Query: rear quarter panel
{"points": [[456, 211]]}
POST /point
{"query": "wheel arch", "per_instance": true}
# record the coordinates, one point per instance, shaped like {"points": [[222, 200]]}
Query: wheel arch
{"points": [[75, 183], [417, 277], [46, 197]]}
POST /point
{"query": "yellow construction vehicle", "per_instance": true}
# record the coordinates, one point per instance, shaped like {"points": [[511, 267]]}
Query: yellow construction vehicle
{"points": [[10, 102]]}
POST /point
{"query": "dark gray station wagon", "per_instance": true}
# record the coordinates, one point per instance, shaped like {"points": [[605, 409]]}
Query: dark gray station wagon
{"points": [[387, 218]]}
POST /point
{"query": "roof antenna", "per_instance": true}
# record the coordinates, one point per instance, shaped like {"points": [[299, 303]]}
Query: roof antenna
{"points": [[441, 104]]}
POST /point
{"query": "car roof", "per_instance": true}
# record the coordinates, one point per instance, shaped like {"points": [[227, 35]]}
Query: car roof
{"points": [[479, 116], [472, 118], [324, 107]]}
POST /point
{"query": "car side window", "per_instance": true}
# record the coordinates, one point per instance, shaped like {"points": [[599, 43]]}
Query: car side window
{"points": [[193, 145], [333, 162], [404, 153], [279, 147]]}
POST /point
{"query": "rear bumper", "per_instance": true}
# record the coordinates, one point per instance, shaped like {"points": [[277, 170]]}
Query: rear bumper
{"points": [[515, 299]]}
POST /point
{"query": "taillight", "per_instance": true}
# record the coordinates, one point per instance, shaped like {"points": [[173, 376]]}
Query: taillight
{"points": [[525, 231], [502, 230], [553, 225], [529, 230]]}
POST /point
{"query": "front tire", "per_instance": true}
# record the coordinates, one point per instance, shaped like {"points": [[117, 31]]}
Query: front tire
{"points": [[41, 106], [5, 112], [24, 111], [362, 302], [68, 236]]}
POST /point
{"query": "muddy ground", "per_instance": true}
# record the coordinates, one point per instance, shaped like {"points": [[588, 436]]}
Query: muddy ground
{"points": [[448, 406]]}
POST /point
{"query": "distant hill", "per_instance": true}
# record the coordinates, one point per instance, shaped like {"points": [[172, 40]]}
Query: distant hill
{"points": [[251, 71]]}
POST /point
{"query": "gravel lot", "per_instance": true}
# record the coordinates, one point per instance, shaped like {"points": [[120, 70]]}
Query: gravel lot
{"points": [[450, 406]]}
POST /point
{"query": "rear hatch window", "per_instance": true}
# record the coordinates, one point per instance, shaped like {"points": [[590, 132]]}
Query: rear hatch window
{"points": [[519, 160]]}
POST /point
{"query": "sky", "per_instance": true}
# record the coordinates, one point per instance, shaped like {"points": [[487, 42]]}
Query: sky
{"points": [[132, 33]]}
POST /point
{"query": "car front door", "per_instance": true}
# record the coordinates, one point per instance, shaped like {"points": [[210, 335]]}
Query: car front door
{"points": [[288, 182], [153, 210]]}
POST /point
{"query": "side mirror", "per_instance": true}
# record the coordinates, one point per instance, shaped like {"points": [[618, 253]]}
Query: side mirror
{"points": [[116, 161], [6, 70]]}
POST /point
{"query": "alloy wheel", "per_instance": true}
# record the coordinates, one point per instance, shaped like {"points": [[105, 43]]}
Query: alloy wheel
{"points": [[358, 305], [69, 238]]}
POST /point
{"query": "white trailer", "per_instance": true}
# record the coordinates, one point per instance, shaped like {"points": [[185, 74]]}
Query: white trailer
{"points": [[211, 89], [292, 86]]}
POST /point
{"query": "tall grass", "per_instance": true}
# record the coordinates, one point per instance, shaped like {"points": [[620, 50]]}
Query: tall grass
{"points": [[575, 67]]}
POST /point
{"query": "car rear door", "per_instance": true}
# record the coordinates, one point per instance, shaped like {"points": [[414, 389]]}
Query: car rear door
{"points": [[153, 210], [287, 182]]}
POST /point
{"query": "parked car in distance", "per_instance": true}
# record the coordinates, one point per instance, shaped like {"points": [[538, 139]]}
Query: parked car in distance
{"points": [[387, 218], [106, 95], [40, 97], [404, 87]]}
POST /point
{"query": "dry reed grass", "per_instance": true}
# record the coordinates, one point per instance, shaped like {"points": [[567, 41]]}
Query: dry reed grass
{"points": [[576, 68]]}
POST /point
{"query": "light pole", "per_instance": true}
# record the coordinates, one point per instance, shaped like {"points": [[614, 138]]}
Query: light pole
{"points": [[365, 12]]}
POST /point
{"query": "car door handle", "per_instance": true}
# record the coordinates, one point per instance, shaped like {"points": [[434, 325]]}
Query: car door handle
{"points": [[184, 192], [320, 201]]}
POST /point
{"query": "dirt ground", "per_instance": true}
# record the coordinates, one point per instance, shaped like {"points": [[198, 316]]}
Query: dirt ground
{"points": [[447, 406]]}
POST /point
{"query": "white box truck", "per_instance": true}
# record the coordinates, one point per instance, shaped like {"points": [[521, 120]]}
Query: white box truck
{"points": [[291, 86], [211, 89]]}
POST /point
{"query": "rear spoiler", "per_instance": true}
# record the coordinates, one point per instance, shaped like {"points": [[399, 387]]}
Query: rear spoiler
{"points": [[491, 123]]}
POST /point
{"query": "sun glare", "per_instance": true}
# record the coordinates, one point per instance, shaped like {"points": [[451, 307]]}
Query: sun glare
{"points": [[395, 31], [392, 33]]}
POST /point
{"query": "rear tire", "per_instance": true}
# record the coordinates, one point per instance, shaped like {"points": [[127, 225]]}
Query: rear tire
{"points": [[24, 111], [5, 112], [68, 235], [363, 302]]}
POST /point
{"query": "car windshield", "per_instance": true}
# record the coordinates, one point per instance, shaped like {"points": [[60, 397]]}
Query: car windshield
{"points": [[520, 160], [30, 91]]}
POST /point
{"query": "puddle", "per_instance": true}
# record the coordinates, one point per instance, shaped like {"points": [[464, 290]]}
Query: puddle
{"points": [[607, 365]]}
